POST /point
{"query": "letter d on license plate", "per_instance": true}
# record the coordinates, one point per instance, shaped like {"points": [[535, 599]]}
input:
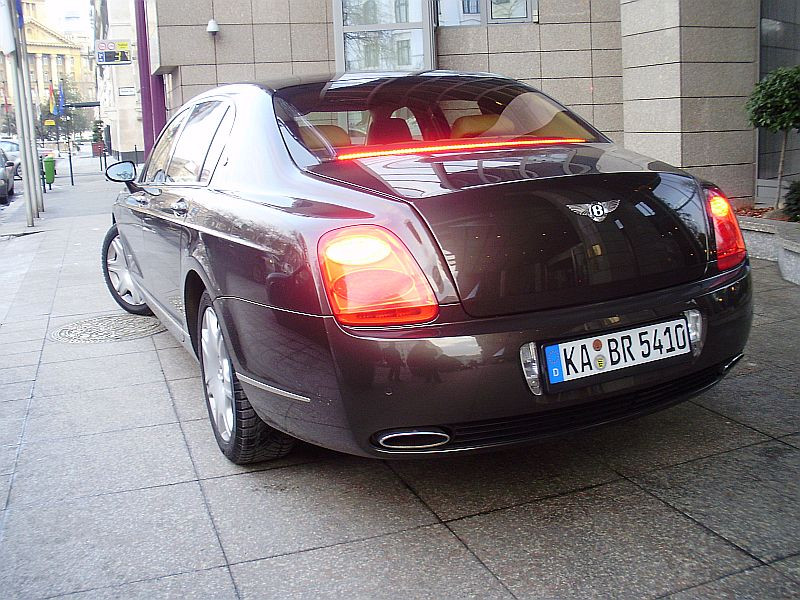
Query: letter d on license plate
{"points": [[590, 356]]}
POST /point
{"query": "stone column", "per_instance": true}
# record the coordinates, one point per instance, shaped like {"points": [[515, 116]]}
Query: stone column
{"points": [[41, 85], [688, 68]]}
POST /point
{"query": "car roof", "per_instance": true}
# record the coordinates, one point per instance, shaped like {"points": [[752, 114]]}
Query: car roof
{"points": [[371, 78]]}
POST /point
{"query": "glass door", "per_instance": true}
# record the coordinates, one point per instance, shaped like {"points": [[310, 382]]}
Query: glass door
{"points": [[384, 35]]}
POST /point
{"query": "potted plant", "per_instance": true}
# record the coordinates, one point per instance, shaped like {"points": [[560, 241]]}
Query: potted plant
{"points": [[775, 106]]}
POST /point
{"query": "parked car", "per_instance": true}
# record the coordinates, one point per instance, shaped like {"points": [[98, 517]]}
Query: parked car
{"points": [[477, 267], [6, 178], [11, 148]]}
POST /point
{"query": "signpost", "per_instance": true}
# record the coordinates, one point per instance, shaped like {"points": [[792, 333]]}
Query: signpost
{"points": [[113, 52]]}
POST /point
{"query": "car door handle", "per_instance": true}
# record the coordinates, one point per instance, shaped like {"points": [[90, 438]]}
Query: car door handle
{"points": [[141, 200], [179, 208]]}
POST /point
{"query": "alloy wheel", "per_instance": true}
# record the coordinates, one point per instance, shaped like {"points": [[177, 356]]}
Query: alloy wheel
{"points": [[217, 374], [119, 274]]}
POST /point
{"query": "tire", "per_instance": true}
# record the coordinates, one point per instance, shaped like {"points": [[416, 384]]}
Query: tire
{"points": [[118, 280], [11, 191], [241, 435]]}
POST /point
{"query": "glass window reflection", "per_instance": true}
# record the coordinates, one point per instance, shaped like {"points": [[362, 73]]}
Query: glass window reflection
{"points": [[381, 12], [385, 49]]}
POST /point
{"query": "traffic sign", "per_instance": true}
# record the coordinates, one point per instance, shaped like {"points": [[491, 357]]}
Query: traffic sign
{"points": [[113, 52], [49, 122]]}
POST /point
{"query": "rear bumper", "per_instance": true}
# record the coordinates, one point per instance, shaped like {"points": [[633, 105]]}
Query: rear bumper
{"points": [[465, 377]]}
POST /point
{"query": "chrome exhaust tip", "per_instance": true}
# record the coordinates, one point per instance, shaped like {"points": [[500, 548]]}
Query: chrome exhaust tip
{"points": [[412, 439]]}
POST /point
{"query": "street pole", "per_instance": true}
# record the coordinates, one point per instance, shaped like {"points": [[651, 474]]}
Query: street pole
{"points": [[27, 173], [26, 78], [69, 151], [28, 153]]}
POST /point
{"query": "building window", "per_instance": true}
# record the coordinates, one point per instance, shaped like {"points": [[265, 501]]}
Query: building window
{"points": [[505, 10], [401, 11], [372, 54], [370, 12], [403, 48], [481, 12]]}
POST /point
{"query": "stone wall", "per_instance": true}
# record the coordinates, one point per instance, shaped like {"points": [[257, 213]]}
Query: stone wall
{"points": [[257, 39], [573, 53], [687, 69]]}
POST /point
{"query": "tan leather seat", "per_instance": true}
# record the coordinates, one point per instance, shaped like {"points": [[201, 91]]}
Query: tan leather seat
{"points": [[561, 126], [335, 136], [477, 125]]}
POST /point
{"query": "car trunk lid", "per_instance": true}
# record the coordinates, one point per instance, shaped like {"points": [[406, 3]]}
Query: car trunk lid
{"points": [[515, 243]]}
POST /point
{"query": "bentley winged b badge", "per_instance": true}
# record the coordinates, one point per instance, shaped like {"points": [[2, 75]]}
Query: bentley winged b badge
{"points": [[596, 211]]}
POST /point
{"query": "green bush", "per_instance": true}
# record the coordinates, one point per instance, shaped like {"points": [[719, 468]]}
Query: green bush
{"points": [[791, 204]]}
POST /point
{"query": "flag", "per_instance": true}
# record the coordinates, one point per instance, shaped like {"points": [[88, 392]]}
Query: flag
{"points": [[7, 45], [60, 108], [20, 20], [52, 100]]}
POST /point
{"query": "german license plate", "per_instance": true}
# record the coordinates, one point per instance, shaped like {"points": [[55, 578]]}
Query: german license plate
{"points": [[614, 351]]}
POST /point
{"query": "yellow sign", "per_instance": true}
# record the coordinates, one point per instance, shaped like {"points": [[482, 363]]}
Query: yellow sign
{"points": [[50, 122]]}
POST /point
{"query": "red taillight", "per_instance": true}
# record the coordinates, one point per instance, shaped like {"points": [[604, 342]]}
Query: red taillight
{"points": [[455, 146], [730, 243], [371, 279]]}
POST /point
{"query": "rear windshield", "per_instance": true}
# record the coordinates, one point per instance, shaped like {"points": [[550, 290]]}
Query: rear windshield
{"points": [[323, 121]]}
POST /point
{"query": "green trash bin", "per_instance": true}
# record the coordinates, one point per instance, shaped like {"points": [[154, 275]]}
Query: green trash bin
{"points": [[49, 169]]}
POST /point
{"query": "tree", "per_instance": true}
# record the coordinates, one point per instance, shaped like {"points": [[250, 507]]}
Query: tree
{"points": [[97, 131], [74, 120], [775, 106]]}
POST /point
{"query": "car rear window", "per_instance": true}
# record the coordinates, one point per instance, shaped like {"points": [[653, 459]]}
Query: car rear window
{"points": [[328, 120]]}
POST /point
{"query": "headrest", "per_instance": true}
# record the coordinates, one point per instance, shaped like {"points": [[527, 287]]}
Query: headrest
{"points": [[335, 135], [389, 131], [478, 125]]}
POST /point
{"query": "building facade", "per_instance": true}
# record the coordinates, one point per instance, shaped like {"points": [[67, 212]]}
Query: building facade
{"points": [[53, 54], [118, 87], [668, 78]]}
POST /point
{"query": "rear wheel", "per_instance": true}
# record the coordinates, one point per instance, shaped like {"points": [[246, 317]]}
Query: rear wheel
{"points": [[117, 275], [241, 435]]}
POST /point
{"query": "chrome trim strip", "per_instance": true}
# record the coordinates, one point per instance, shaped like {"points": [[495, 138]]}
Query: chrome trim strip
{"points": [[274, 390], [731, 363], [262, 305]]}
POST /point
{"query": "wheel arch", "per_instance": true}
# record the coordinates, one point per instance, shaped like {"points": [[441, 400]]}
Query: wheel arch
{"points": [[193, 287]]}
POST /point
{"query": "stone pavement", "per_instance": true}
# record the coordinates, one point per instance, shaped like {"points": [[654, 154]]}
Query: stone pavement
{"points": [[111, 484]]}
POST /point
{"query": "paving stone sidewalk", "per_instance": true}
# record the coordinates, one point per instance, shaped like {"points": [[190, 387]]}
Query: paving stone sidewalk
{"points": [[111, 485]]}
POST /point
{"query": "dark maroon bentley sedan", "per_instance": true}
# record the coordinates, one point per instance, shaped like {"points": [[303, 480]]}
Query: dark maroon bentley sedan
{"points": [[399, 265]]}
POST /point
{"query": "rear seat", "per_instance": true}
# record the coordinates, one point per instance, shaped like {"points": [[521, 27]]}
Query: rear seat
{"points": [[333, 134], [478, 125]]}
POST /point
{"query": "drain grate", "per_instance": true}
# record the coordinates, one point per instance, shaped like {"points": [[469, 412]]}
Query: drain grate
{"points": [[109, 328]]}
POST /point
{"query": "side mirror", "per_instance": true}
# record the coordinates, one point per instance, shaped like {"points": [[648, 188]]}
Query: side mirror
{"points": [[122, 172], [9, 163]]}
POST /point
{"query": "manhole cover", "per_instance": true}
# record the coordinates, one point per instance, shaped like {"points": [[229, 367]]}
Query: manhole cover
{"points": [[110, 328]]}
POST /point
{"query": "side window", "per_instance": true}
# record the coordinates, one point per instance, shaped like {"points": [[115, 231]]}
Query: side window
{"points": [[194, 141], [156, 171], [217, 146]]}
